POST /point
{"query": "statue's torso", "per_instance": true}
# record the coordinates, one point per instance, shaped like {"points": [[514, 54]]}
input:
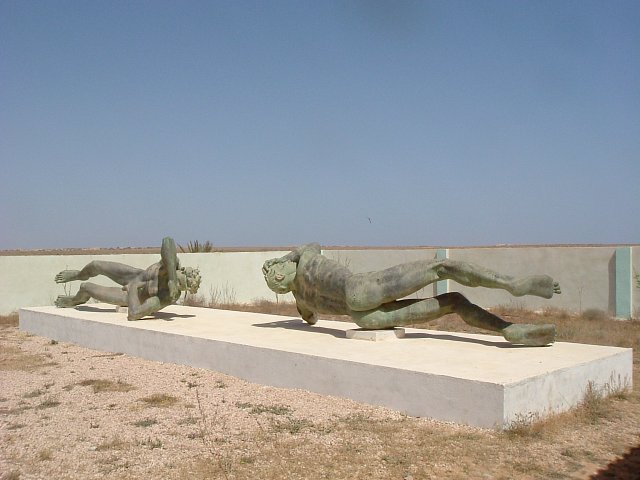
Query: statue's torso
{"points": [[319, 285], [156, 283]]}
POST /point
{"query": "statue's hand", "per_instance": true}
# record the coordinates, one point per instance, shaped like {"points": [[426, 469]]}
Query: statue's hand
{"points": [[174, 291], [268, 264]]}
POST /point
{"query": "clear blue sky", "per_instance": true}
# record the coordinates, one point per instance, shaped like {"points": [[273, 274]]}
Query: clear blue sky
{"points": [[342, 122]]}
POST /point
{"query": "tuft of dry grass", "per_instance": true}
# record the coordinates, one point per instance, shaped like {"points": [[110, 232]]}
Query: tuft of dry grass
{"points": [[11, 320], [257, 408], [159, 400], [525, 425], [115, 443], [102, 385], [48, 402], [594, 315], [145, 422], [608, 331], [259, 306], [45, 454], [12, 359], [151, 443], [34, 393]]}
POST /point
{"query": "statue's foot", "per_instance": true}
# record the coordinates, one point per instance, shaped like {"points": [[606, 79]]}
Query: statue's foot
{"points": [[532, 335], [65, 301], [67, 276], [538, 285]]}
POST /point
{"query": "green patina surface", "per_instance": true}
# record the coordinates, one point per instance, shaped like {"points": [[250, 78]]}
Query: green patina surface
{"points": [[376, 300], [442, 286], [143, 291]]}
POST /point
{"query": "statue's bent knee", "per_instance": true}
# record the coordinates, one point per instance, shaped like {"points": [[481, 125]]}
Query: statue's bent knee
{"points": [[370, 320], [453, 300]]}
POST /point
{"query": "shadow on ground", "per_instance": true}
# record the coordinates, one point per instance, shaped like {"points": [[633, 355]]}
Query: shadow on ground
{"points": [[625, 468]]}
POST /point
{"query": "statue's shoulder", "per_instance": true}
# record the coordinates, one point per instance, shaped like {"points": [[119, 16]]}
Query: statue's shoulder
{"points": [[319, 267]]}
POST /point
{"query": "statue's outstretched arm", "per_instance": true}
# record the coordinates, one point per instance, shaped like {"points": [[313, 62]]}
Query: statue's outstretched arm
{"points": [[169, 255], [149, 306], [292, 256], [296, 253], [138, 310]]}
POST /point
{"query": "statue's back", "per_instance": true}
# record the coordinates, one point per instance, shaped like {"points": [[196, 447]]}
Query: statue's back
{"points": [[320, 285]]}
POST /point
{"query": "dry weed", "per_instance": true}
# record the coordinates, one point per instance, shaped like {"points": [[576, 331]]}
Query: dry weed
{"points": [[115, 443], [160, 400], [10, 320], [102, 385], [12, 358]]}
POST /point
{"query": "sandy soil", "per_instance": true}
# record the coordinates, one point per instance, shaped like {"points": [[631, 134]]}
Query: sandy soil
{"points": [[68, 412]]}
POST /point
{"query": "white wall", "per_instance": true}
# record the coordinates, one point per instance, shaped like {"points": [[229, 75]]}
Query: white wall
{"points": [[586, 274], [29, 280]]}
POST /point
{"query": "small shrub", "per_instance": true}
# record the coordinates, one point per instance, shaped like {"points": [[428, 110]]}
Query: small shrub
{"points": [[45, 454], [188, 421], [160, 400], [594, 314], [48, 402], [292, 426], [594, 404], [147, 422], [114, 444], [257, 409], [197, 247], [556, 313], [16, 426], [617, 388], [33, 394], [151, 443], [11, 320], [221, 295], [101, 385], [524, 425], [194, 301]]}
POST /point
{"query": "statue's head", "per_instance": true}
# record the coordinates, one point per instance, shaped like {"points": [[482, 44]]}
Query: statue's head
{"points": [[189, 279], [280, 276]]}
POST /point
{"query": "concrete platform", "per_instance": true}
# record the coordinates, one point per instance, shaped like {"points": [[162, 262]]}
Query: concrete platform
{"points": [[480, 380]]}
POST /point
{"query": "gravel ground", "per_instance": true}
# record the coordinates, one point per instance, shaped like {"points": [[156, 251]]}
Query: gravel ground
{"points": [[68, 412], [72, 412]]}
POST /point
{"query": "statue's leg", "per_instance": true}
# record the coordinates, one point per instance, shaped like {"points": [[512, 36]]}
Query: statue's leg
{"points": [[367, 291], [87, 290], [473, 275], [407, 312], [118, 272]]}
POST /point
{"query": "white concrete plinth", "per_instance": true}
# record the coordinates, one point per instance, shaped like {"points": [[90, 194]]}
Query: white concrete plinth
{"points": [[376, 335], [479, 380]]}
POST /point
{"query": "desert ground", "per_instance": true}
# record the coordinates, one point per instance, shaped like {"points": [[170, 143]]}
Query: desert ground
{"points": [[68, 412]]}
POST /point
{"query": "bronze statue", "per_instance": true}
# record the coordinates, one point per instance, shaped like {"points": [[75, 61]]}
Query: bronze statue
{"points": [[143, 291], [321, 285]]}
